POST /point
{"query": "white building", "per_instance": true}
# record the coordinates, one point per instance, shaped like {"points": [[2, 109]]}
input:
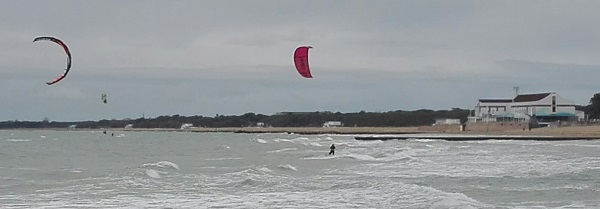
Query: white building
{"points": [[447, 121], [187, 126], [332, 124], [544, 107]]}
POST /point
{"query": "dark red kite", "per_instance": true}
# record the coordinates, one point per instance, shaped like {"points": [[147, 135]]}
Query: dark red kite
{"points": [[64, 46], [301, 61]]}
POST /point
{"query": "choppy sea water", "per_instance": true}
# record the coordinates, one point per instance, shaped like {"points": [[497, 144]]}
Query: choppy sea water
{"points": [[87, 169]]}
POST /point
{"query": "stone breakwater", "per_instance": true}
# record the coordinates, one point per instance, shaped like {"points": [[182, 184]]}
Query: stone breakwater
{"points": [[475, 137]]}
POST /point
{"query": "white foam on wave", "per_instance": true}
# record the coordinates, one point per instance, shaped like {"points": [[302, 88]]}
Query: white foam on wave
{"points": [[287, 166], [17, 140], [162, 164], [222, 147], [578, 145], [224, 158], [265, 169], [457, 200], [258, 140], [368, 143], [301, 138], [326, 157], [361, 157], [282, 140], [315, 144], [152, 173], [351, 156], [253, 171], [25, 168], [304, 141], [424, 140], [282, 150]]}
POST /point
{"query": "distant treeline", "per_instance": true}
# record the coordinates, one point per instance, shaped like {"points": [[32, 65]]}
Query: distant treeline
{"points": [[397, 118]]}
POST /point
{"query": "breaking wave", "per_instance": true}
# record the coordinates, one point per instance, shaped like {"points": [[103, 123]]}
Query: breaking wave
{"points": [[257, 140], [282, 150], [161, 164], [288, 167]]}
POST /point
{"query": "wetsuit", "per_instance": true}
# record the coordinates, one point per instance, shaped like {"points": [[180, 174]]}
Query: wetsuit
{"points": [[332, 152]]}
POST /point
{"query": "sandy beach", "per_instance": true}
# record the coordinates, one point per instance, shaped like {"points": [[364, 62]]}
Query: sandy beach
{"points": [[296, 130], [575, 131]]}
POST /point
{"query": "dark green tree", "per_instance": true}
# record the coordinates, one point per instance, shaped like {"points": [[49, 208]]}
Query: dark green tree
{"points": [[593, 109]]}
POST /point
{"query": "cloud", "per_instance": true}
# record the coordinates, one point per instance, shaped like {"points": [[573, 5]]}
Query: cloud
{"points": [[65, 93]]}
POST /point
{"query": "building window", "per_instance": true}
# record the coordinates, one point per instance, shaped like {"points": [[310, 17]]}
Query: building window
{"points": [[553, 103]]}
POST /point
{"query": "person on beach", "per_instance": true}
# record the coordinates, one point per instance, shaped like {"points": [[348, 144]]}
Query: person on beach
{"points": [[332, 150]]}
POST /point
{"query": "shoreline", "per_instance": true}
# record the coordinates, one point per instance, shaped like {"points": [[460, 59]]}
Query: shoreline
{"points": [[591, 131], [292, 130]]}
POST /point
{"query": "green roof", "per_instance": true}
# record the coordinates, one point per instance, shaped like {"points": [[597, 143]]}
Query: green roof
{"points": [[558, 114]]}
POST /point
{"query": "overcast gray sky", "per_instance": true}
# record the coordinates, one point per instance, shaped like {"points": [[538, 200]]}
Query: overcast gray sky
{"points": [[225, 57]]}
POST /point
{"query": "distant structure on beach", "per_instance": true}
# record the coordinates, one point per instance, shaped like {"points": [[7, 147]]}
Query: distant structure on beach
{"points": [[332, 124], [447, 121], [257, 124], [186, 126], [541, 109]]}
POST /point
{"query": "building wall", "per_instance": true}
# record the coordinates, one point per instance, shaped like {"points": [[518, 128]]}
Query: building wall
{"points": [[486, 127], [483, 109], [440, 128], [447, 121]]}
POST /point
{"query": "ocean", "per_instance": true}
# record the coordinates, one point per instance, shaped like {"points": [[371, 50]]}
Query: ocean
{"points": [[88, 169]]}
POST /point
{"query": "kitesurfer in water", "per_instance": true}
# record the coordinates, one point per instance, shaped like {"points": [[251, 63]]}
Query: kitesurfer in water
{"points": [[332, 150]]}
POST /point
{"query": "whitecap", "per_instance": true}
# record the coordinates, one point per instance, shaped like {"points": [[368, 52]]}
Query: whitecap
{"points": [[301, 138], [152, 173], [162, 164], [265, 169], [226, 158], [288, 166], [425, 140], [320, 157], [315, 144], [282, 150], [457, 200], [17, 140], [282, 140], [361, 157], [262, 141]]}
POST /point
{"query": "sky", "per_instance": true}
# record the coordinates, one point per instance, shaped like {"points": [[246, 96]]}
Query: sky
{"points": [[229, 57]]}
